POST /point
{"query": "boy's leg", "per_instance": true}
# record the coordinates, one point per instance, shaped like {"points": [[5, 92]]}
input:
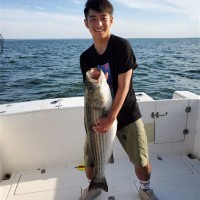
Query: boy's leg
{"points": [[134, 141], [143, 173], [89, 194]]}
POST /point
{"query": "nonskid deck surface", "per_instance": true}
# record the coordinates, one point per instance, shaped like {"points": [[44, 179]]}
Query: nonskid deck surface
{"points": [[174, 177]]}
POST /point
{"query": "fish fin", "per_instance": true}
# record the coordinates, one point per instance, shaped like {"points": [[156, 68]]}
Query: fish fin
{"points": [[95, 184], [111, 160]]}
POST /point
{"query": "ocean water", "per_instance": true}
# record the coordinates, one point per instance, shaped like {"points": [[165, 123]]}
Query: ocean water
{"points": [[43, 69]]}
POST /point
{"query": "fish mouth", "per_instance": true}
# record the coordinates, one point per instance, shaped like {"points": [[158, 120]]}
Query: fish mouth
{"points": [[94, 74]]}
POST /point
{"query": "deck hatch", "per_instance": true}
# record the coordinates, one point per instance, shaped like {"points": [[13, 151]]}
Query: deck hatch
{"points": [[55, 183], [169, 125]]}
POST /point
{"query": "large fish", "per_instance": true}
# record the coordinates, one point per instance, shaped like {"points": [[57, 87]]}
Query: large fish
{"points": [[98, 101]]}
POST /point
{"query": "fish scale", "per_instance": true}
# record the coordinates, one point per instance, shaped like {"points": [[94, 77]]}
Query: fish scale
{"points": [[98, 101]]}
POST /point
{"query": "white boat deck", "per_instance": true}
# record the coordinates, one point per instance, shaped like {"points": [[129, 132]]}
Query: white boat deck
{"points": [[174, 177], [36, 135]]}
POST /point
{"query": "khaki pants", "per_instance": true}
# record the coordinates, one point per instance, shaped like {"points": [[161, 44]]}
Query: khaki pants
{"points": [[134, 141]]}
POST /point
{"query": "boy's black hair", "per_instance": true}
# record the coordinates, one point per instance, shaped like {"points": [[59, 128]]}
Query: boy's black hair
{"points": [[99, 6]]}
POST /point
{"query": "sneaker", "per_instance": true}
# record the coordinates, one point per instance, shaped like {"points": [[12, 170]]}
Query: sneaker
{"points": [[147, 194], [89, 195]]}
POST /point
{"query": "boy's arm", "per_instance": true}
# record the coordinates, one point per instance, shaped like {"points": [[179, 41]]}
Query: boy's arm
{"points": [[104, 123]]}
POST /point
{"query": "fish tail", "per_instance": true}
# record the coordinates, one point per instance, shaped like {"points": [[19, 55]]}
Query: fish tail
{"points": [[102, 184]]}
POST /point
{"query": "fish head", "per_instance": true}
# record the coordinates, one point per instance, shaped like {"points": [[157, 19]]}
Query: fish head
{"points": [[97, 90]]}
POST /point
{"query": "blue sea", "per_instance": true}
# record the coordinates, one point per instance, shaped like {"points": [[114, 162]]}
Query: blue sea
{"points": [[43, 69]]}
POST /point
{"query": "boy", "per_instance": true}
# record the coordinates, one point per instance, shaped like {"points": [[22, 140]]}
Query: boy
{"points": [[115, 57]]}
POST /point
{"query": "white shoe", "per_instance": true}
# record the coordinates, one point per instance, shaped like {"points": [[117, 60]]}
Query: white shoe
{"points": [[147, 194], [89, 195]]}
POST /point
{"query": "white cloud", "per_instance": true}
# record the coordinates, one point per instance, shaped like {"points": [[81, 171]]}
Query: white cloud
{"points": [[187, 26], [77, 1], [18, 23], [26, 23], [135, 29], [39, 8], [188, 7], [148, 5]]}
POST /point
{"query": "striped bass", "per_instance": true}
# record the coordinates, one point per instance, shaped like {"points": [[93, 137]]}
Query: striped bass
{"points": [[98, 101]]}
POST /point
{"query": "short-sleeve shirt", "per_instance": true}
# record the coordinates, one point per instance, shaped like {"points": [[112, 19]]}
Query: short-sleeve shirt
{"points": [[118, 58]]}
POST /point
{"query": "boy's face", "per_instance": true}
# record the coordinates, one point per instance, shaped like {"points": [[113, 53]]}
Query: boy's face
{"points": [[99, 24]]}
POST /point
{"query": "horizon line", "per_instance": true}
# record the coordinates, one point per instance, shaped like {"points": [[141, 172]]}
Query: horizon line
{"points": [[87, 38]]}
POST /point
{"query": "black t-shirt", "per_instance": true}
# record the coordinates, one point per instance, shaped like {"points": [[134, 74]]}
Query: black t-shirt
{"points": [[118, 58]]}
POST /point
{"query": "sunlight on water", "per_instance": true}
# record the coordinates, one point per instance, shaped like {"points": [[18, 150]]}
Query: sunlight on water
{"points": [[40, 69]]}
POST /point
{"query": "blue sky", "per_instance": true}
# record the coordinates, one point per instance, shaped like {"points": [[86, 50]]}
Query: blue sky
{"points": [[39, 19]]}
